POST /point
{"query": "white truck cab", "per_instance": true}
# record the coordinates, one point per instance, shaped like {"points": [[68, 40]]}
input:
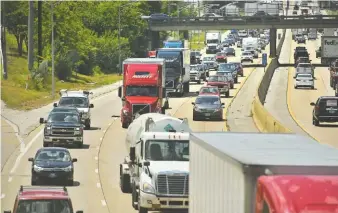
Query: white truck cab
{"points": [[156, 171], [78, 99]]}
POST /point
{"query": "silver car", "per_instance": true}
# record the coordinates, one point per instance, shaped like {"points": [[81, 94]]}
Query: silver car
{"points": [[304, 80], [211, 62]]}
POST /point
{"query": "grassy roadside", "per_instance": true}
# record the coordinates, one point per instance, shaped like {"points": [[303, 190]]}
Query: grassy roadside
{"points": [[332, 12], [197, 40], [13, 90]]}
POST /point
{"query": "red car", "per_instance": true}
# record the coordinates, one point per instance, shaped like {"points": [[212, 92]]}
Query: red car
{"points": [[239, 68], [221, 57], [209, 90], [221, 82]]}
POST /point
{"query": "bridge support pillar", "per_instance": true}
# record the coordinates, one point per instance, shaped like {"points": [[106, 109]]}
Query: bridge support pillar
{"points": [[273, 43], [154, 40]]}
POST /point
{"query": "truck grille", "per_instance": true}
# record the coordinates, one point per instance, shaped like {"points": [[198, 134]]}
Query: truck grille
{"points": [[63, 131], [173, 185], [169, 84], [141, 108]]}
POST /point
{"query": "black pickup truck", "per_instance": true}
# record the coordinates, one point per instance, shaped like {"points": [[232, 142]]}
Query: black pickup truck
{"points": [[63, 128]]}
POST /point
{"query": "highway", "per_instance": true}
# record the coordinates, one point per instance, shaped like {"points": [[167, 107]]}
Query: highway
{"points": [[96, 187]]}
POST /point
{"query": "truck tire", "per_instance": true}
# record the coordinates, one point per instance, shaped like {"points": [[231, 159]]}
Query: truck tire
{"points": [[166, 104], [125, 125], [125, 183], [199, 81], [227, 94], [87, 124], [79, 144], [186, 87], [134, 198], [331, 82], [45, 144]]}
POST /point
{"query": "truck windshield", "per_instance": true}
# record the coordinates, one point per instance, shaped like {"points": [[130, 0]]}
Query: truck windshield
{"points": [[167, 150], [150, 91], [80, 102], [63, 117], [212, 41], [172, 62], [44, 206]]}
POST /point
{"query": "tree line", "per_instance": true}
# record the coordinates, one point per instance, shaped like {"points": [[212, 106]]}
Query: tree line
{"points": [[85, 33]]}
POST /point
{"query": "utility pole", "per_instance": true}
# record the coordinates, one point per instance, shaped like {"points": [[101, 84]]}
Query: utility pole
{"points": [[53, 78], [3, 42], [39, 31], [119, 40], [31, 36]]}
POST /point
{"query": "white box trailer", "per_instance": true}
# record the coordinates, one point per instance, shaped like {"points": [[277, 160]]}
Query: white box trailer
{"points": [[329, 51], [225, 166]]}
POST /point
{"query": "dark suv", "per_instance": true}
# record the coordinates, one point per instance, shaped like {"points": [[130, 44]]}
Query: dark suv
{"points": [[325, 110]]}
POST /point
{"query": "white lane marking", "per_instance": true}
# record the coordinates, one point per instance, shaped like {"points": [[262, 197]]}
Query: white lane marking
{"points": [[18, 159], [98, 185], [96, 171], [10, 179], [111, 122], [103, 202], [101, 139], [104, 131], [98, 147], [3, 196], [96, 158]]}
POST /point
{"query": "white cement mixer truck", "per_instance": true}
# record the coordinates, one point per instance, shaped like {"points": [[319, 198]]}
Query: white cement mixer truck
{"points": [[156, 171]]}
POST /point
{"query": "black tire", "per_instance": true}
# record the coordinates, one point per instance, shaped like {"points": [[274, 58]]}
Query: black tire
{"points": [[125, 183], [142, 210], [45, 144], [242, 75], [134, 198], [227, 94], [33, 183], [236, 80], [199, 82], [312, 87], [296, 87], [125, 125], [315, 122], [232, 86], [87, 124]]}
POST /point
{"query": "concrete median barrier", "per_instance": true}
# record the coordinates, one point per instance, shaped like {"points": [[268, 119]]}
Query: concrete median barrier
{"points": [[264, 121]]}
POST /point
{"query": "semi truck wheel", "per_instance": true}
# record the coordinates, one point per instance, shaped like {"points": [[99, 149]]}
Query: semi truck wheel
{"points": [[199, 81], [227, 94], [87, 124], [125, 125]]}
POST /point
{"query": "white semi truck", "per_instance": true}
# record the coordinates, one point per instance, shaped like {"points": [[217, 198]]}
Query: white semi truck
{"points": [[212, 40], [156, 172], [259, 173]]}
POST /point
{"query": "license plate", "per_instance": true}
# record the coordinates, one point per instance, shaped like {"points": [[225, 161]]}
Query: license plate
{"points": [[207, 114], [52, 175]]}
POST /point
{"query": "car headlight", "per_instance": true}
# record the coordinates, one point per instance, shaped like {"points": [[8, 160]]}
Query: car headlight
{"points": [[197, 109], [67, 169], [85, 115], [78, 131], [147, 188], [235, 72], [217, 110], [48, 130], [37, 168], [125, 111]]}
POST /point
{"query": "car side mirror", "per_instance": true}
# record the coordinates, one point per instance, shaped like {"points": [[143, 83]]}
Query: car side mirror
{"points": [[42, 120], [120, 92], [192, 103], [132, 154], [79, 211], [91, 106], [123, 99], [146, 163], [55, 104], [31, 159], [294, 77], [74, 160], [312, 104]]}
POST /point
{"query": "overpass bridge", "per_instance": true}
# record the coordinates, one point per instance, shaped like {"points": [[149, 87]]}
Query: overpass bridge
{"points": [[242, 22]]}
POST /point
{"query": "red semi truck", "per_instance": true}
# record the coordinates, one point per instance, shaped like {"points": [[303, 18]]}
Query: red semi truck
{"points": [[143, 89]]}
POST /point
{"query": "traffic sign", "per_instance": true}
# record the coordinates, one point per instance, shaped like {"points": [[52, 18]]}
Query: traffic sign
{"points": [[264, 59]]}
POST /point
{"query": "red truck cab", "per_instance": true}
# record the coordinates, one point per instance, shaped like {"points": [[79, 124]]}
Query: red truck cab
{"points": [[143, 89], [50, 199], [297, 194]]}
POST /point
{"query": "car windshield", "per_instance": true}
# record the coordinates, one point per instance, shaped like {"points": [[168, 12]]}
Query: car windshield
{"points": [[163, 150], [217, 79], [225, 67], [53, 155], [209, 90], [44, 206], [195, 54], [304, 65], [208, 59], [150, 91], [227, 74], [67, 117], [304, 76], [81, 102], [208, 100]]}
